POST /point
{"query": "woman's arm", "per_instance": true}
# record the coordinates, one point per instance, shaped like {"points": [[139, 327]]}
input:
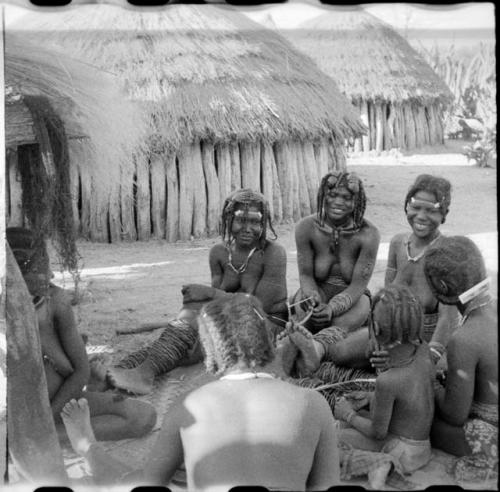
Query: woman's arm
{"points": [[305, 259], [454, 405], [392, 265], [381, 405], [215, 261], [361, 274], [74, 348], [167, 454]]}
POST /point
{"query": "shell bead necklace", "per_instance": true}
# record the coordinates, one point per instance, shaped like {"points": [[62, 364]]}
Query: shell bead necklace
{"points": [[244, 266]]}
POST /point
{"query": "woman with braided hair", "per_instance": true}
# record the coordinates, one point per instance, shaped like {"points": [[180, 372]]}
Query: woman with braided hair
{"points": [[336, 253], [426, 206], [245, 261], [466, 420], [402, 406], [245, 428]]}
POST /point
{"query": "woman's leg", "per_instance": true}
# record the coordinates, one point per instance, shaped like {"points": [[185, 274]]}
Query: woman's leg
{"points": [[170, 350], [115, 416], [356, 317]]}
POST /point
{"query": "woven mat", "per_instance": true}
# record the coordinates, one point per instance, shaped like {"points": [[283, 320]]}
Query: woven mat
{"points": [[134, 452]]}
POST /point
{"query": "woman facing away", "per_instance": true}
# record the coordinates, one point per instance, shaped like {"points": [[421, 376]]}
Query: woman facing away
{"points": [[245, 261], [466, 421], [245, 428]]}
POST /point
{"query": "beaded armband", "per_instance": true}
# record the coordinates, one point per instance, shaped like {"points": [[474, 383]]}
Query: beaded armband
{"points": [[437, 350], [340, 304]]}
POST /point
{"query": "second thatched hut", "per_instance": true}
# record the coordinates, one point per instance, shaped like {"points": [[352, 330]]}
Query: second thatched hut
{"points": [[229, 104], [398, 95]]}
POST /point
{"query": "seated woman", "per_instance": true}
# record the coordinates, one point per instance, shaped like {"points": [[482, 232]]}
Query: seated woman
{"points": [[243, 429], [67, 370], [336, 254], [466, 421], [246, 261], [402, 406], [426, 205]]}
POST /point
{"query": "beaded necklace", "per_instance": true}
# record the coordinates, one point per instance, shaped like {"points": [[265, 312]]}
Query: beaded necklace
{"points": [[247, 375], [421, 254], [244, 266]]}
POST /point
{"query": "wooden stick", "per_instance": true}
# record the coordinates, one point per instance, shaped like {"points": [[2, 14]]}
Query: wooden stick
{"points": [[143, 327]]}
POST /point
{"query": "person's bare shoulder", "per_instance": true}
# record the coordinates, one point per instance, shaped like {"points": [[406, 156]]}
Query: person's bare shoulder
{"points": [[59, 297], [369, 233], [274, 250], [398, 239], [305, 224], [218, 252]]}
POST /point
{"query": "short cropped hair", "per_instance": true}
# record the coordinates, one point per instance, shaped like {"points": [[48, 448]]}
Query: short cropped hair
{"points": [[234, 330], [439, 187], [453, 267], [402, 320]]}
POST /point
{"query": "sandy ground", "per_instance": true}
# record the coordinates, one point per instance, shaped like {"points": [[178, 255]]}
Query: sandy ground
{"points": [[124, 285]]}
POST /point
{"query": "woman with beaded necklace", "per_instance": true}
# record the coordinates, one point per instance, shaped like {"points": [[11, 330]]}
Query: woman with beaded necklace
{"points": [[466, 420], [244, 261], [336, 255], [426, 206]]}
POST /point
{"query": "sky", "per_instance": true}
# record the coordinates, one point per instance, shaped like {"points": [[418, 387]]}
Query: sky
{"points": [[399, 15]]}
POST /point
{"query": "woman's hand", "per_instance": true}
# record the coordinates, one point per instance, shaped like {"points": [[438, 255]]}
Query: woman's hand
{"points": [[322, 315], [342, 409], [196, 293], [379, 359], [358, 399], [313, 298]]}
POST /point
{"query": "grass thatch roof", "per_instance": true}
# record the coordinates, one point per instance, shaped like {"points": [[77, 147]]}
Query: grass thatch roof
{"points": [[367, 58], [84, 97], [203, 72]]}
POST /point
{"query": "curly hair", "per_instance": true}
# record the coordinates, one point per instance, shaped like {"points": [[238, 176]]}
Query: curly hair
{"points": [[402, 319], [245, 197], [234, 330], [439, 187], [350, 181], [453, 267]]}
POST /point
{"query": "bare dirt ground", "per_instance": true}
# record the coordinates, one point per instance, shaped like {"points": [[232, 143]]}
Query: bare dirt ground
{"points": [[124, 285]]}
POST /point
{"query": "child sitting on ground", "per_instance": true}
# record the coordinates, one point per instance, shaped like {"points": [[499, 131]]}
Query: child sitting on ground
{"points": [[402, 406]]}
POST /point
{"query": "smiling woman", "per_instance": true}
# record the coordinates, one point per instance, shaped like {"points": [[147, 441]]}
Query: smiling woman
{"points": [[336, 254], [245, 261]]}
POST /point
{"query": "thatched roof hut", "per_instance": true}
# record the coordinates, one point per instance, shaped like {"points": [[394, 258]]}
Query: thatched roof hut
{"points": [[230, 104], [63, 117], [399, 96]]}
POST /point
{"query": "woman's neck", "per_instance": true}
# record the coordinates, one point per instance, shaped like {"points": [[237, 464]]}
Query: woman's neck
{"points": [[422, 242]]}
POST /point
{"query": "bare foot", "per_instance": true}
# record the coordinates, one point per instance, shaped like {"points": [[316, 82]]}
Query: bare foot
{"points": [[98, 374], [286, 352], [377, 477], [308, 359], [138, 380], [76, 418]]}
